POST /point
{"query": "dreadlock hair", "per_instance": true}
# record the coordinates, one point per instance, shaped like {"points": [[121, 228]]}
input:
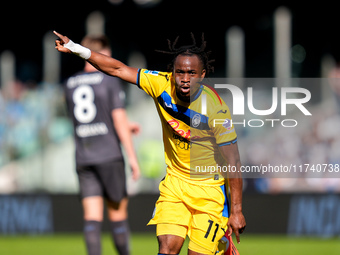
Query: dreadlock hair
{"points": [[189, 50]]}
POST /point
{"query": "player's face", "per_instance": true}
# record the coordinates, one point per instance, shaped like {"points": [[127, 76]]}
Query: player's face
{"points": [[185, 68]]}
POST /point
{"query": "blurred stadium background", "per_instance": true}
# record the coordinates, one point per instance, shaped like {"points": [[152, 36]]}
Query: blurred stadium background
{"points": [[39, 207]]}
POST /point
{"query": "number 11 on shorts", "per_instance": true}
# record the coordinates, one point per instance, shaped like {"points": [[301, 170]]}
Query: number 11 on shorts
{"points": [[209, 230]]}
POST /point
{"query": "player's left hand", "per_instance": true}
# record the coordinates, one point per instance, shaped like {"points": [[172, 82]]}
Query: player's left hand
{"points": [[135, 170], [135, 128], [236, 224]]}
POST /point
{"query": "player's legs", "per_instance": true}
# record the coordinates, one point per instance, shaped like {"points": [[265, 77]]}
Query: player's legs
{"points": [[92, 203], [202, 210], [119, 227], [93, 217], [112, 177], [209, 225], [117, 211], [93, 208], [170, 244], [170, 237], [171, 216]]}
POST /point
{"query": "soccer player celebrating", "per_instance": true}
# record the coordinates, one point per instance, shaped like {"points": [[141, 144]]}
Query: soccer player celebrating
{"points": [[189, 205], [96, 105]]}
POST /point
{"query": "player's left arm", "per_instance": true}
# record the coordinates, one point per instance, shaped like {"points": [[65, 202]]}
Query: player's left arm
{"points": [[236, 222], [124, 130]]}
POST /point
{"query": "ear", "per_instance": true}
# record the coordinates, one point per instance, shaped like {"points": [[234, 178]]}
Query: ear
{"points": [[203, 73]]}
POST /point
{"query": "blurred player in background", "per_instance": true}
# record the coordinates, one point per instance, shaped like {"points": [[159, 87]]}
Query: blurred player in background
{"points": [[96, 105], [187, 206]]}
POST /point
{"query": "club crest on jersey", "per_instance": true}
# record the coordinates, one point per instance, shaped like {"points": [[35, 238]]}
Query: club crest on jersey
{"points": [[196, 120]]}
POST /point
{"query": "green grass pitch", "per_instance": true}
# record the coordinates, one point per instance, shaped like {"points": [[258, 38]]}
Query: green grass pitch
{"points": [[147, 244]]}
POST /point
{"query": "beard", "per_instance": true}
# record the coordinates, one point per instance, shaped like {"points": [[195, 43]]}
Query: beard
{"points": [[184, 98]]}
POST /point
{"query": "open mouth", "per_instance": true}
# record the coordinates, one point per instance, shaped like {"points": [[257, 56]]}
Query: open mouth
{"points": [[185, 89]]}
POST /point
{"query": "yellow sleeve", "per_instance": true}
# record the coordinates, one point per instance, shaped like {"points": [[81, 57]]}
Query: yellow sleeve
{"points": [[152, 82], [220, 123]]}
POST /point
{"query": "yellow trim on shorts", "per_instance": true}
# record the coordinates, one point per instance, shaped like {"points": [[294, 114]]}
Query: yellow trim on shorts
{"points": [[171, 229], [199, 249]]}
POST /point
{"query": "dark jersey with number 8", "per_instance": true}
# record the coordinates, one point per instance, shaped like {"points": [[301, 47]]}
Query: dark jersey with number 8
{"points": [[90, 98]]}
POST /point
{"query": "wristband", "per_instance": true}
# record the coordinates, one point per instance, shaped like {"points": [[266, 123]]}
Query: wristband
{"points": [[78, 50]]}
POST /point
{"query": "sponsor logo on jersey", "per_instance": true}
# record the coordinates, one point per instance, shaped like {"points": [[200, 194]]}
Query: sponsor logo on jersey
{"points": [[87, 130], [181, 142], [175, 125], [227, 124], [155, 73]]}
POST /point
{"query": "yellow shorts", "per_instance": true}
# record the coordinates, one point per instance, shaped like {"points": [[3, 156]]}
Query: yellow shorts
{"points": [[201, 212]]}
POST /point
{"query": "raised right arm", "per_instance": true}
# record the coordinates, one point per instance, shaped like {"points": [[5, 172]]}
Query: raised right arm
{"points": [[101, 62]]}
